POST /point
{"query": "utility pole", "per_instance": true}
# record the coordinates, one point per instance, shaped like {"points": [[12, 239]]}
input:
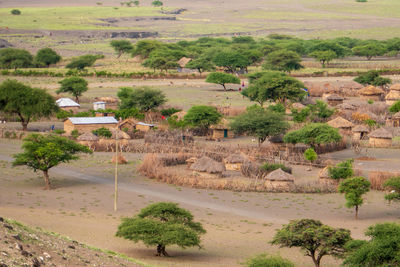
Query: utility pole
{"points": [[116, 171]]}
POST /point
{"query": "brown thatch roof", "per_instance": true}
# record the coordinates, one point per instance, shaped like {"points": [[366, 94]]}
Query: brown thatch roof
{"points": [[370, 90], [324, 173], [339, 122], [395, 87], [130, 121], [206, 164], [396, 115], [183, 61], [222, 125], [334, 97], [87, 137], [393, 95], [360, 129], [236, 158], [346, 106], [107, 99], [279, 175], [120, 134], [381, 133]]}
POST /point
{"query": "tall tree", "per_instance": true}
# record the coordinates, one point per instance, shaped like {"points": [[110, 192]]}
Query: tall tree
{"points": [[201, 64], [222, 78], [369, 50], [143, 98], [47, 56], [259, 123], [45, 152], [283, 60], [372, 77], [121, 47], [13, 58], [274, 86], [162, 224], [25, 102], [353, 189], [315, 238], [76, 86], [202, 116], [324, 56], [231, 60]]}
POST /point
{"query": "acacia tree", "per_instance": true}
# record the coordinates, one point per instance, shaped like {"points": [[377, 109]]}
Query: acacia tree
{"points": [[47, 56], [80, 63], [372, 77], [76, 86], [202, 116], [324, 56], [15, 58], [222, 78], [143, 98], [382, 248], [353, 189], [369, 50], [162, 224], [259, 123], [274, 86], [231, 60], [200, 64], [283, 60], [315, 238], [25, 102], [45, 152], [393, 184], [121, 47]]}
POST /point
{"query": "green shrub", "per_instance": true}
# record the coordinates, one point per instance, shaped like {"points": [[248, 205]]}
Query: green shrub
{"points": [[16, 12], [75, 133], [395, 107], [102, 132], [264, 260], [169, 111], [269, 167], [59, 131], [342, 170]]}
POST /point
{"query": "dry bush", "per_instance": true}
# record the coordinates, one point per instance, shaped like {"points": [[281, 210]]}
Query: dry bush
{"points": [[360, 117], [377, 178], [250, 169], [172, 138], [314, 187], [378, 108], [231, 111]]}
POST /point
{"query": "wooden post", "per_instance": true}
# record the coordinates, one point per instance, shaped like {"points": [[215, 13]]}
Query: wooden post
{"points": [[116, 171]]}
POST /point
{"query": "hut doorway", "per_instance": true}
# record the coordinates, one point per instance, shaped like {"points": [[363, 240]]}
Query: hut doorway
{"points": [[225, 133]]}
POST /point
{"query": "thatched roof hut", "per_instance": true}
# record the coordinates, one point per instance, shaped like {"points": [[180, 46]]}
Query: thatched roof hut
{"points": [[334, 100], [324, 173], [88, 137], [380, 138], [234, 162], [184, 61], [340, 123], [222, 130], [371, 93], [395, 87], [120, 134], [206, 164], [392, 97], [280, 175], [360, 129]]}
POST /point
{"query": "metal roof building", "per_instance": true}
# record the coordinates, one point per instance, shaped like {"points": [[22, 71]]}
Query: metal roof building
{"points": [[66, 102]]}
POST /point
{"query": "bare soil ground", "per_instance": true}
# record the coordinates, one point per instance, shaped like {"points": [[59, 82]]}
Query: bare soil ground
{"points": [[238, 224]]}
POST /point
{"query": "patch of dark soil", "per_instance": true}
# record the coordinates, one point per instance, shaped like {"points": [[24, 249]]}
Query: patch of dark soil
{"points": [[175, 11]]}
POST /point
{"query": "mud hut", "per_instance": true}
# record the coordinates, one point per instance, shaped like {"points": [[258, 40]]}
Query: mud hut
{"points": [[394, 121], [87, 139], [380, 138], [359, 132], [341, 124], [234, 162], [394, 94], [127, 125], [109, 102], [121, 135], [279, 180], [206, 164], [334, 100], [222, 130], [324, 177], [371, 93]]}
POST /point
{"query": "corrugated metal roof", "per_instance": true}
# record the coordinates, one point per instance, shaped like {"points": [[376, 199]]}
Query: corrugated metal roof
{"points": [[93, 120], [66, 102], [145, 124], [99, 102]]}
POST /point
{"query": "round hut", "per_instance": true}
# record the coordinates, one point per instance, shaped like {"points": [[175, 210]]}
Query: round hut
{"points": [[380, 138], [222, 130], [394, 94], [394, 120], [234, 162], [279, 180], [87, 139], [206, 164], [341, 124], [359, 132], [334, 100], [324, 177], [371, 93]]}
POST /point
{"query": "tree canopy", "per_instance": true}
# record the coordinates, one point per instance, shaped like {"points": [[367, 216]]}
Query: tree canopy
{"points": [[315, 238], [144, 98], [382, 248], [372, 77], [259, 123], [342, 170], [324, 56], [43, 152], [274, 86], [202, 116], [25, 102], [313, 134], [283, 60], [80, 63], [201, 64], [393, 184], [222, 78], [231, 60], [353, 189], [369, 50], [121, 47], [47, 56], [13, 58], [162, 224], [75, 86]]}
